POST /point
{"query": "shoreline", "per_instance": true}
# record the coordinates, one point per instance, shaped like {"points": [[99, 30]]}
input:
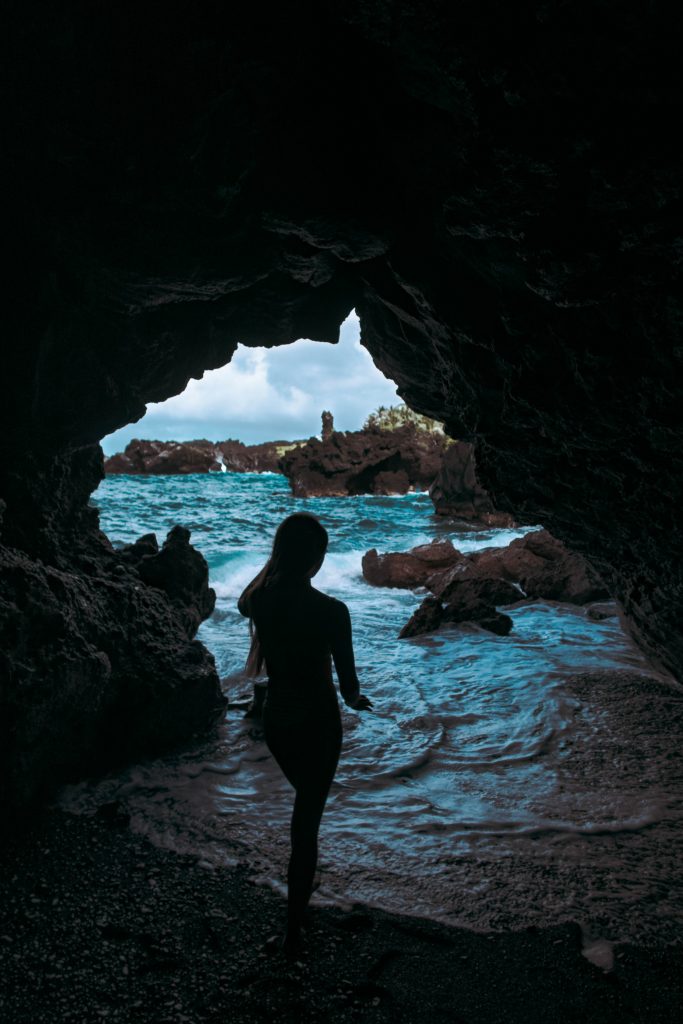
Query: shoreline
{"points": [[98, 924]]}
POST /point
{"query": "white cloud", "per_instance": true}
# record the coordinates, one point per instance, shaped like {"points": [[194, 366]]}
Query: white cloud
{"points": [[268, 394], [240, 390]]}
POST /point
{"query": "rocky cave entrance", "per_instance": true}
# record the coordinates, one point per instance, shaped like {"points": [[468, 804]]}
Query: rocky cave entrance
{"points": [[510, 242], [389, 450]]}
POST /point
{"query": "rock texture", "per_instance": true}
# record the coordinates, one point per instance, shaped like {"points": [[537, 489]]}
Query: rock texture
{"points": [[168, 457], [476, 606], [327, 425], [409, 568], [98, 667], [373, 461], [456, 491], [468, 588], [508, 231]]}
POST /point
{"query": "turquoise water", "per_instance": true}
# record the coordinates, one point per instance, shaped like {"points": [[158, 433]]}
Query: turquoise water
{"points": [[499, 782]]}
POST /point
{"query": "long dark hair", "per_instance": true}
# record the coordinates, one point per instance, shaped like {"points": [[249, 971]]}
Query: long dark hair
{"points": [[300, 542]]}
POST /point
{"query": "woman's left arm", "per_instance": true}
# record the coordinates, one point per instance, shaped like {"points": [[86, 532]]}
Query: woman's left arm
{"points": [[341, 643]]}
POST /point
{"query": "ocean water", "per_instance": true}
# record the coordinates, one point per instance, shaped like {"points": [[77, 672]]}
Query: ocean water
{"points": [[500, 782]]}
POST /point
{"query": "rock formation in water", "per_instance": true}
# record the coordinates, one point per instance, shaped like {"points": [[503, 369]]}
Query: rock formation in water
{"points": [[476, 602], [370, 461], [169, 457], [409, 568], [98, 659], [327, 425], [456, 491], [508, 233], [469, 588]]}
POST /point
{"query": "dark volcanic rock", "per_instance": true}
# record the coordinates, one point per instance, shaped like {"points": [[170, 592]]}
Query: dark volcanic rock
{"points": [[432, 614], [327, 425], [372, 461], [165, 457], [539, 563], [469, 587], [509, 236], [411, 568], [471, 592], [426, 619], [254, 458], [99, 668], [169, 457], [457, 492], [182, 573]]}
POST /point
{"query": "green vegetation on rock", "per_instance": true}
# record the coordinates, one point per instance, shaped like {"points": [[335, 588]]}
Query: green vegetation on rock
{"points": [[391, 417], [282, 449]]}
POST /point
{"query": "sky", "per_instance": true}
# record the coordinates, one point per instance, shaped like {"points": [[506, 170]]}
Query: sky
{"points": [[270, 395]]}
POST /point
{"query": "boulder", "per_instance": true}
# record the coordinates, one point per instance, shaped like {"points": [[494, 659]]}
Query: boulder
{"points": [[543, 567], [432, 614], [371, 461], [410, 568], [466, 593], [468, 588], [426, 619]]}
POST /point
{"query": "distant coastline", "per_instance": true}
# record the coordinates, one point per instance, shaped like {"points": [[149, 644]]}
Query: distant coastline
{"points": [[200, 456], [395, 452]]}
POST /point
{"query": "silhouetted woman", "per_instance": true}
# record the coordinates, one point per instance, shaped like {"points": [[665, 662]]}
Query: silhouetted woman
{"points": [[297, 631]]}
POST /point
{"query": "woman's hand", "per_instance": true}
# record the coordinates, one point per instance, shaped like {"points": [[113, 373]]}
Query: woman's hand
{"points": [[361, 703]]}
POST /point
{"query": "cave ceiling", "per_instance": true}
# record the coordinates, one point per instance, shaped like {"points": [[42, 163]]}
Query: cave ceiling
{"points": [[494, 187]]}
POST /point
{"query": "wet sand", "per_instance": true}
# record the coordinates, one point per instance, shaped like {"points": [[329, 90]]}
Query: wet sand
{"points": [[98, 925]]}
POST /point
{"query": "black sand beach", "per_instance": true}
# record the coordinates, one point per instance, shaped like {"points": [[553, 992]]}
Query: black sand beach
{"points": [[98, 925]]}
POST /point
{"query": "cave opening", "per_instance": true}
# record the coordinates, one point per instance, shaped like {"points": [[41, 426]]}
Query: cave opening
{"points": [[495, 188], [468, 748]]}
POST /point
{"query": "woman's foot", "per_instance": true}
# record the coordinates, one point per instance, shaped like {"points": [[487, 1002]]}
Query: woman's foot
{"points": [[292, 944]]}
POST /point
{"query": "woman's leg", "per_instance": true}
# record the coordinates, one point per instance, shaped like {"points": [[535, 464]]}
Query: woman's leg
{"points": [[309, 805], [308, 759]]}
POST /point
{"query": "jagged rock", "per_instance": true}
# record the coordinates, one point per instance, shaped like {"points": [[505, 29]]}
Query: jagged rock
{"points": [[139, 549], [99, 668], [456, 491], [170, 457], [513, 273], [432, 614], [471, 592], [254, 458], [182, 573], [165, 457], [408, 569], [469, 587], [539, 563], [327, 425], [372, 461], [426, 619]]}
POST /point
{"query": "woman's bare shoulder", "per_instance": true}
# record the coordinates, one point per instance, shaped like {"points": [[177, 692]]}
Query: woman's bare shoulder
{"points": [[331, 605]]}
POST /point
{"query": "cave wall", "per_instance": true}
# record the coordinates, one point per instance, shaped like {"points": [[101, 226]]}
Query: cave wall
{"points": [[495, 187]]}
